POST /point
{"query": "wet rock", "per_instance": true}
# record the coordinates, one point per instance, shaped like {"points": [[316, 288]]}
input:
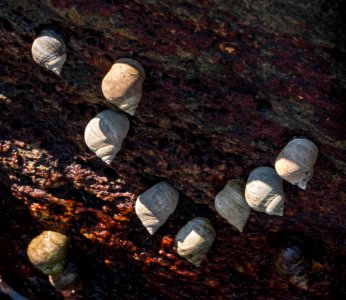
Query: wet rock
{"points": [[228, 85]]}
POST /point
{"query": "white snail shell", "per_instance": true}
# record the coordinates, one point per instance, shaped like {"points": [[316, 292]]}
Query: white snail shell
{"points": [[264, 191], [48, 252], [105, 133], [231, 205], [49, 50], [122, 85], [296, 161], [68, 279], [194, 240], [155, 205]]}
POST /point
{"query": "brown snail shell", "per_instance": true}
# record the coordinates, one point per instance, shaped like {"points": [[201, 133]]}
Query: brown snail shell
{"points": [[292, 263], [296, 161], [49, 50], [68, 279], [194, 240], [264, 191], [48, 252], [105, 133], [122, 85], [231, 205], [155, 205]]}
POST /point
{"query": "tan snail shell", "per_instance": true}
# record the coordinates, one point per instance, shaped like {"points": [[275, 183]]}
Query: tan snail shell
{"points": [[105, 133], [155, 205], [122, 85], [68, 279], [264, 191], [48, 252], [49, 50], [194, 240], [292, 263], [296, 161], [231, 205]]}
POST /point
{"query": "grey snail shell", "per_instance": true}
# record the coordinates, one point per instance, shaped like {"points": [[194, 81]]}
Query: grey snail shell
{"points": [[105, 133], [122, 85], [155, 205], [231, 205], [291, 262], [296, 161], [68, 279], [48, 252], [264, 191], [49, 50], [194, 240]]}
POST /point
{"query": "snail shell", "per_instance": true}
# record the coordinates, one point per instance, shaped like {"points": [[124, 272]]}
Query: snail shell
{"points": [[122, 85], [296, 161], [67, 280], [155, 205], [48, 252], [264, 191], [49, 50], [231, 205], [105, 133], [194, 240], [292, 263]]}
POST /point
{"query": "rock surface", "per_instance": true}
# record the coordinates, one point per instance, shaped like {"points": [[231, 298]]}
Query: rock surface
{"points": [[228, 84]]}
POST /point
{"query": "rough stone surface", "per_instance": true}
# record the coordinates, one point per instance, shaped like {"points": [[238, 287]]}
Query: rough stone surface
{"points": [[228, 84]]}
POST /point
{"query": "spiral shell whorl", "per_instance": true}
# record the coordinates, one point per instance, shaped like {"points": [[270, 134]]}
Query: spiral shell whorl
{"points": [[264, 191], [296, 161], [291, 262], [105, 133], [155, 205], [231, 205], [48, 252], [194, 240], [122, 85], [49, 50]]}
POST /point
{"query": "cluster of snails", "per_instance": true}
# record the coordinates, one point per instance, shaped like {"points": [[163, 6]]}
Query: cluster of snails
{"points": [[48, 252], [104, 135], [263, 191], [153, 208], [122, 86]]}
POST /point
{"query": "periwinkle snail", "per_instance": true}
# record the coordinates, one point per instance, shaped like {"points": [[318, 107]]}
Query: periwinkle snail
{"points": [[105, 133], [296, 161], [122, 85], [49, 50], [264, 191], [155, 205], [231, 205], [48, 252], [292, 263], [194, 240]]}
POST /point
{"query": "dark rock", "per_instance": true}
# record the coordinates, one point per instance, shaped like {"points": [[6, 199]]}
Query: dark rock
{"points": [[228, 84]]}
